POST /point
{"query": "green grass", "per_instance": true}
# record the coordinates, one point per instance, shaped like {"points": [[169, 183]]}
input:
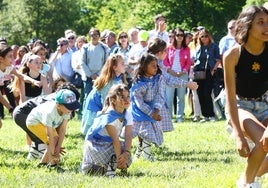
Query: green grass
{"points": [[194, 155]]}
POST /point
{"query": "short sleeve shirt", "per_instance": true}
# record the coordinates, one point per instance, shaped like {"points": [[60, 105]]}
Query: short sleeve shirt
{"points": [[47, 114]]}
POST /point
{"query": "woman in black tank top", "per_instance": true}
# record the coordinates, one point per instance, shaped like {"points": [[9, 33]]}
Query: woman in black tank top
{"points": [[246, 81]]}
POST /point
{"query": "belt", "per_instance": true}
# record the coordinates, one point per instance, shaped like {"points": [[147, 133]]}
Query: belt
{"points": [[249, 99]]}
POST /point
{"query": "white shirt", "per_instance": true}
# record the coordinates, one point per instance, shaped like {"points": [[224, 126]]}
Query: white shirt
{"points": [[47, 114]]}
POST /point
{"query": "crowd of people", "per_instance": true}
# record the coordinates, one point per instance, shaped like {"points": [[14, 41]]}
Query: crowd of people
{"points": [[132, 84]]}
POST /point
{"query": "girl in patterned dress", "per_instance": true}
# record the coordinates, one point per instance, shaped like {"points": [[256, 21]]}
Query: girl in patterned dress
{"points": [[171, 79], [112, 73], [103, 148], [147, 97]]}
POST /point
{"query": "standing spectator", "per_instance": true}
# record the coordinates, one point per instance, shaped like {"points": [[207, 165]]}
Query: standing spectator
{"points": [[196, 104], [76, 64], [188, 37], [178, 59], [123, 49], [133, 34], [207, 58], [159, 30], [171, 37], [15, 49], [111, 40], [228, 41], [138, 50], [94, 55], [71, 36], [245, 66], [20, 53], [61, 61]]}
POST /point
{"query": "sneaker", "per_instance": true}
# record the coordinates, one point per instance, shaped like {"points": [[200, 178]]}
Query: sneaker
{"points": [[138, 151], [179, 120], [111, 169], [212, 119], [241, 184], [36, 152], [146, 153], [196, 119], [33, 154], [204, 120]]}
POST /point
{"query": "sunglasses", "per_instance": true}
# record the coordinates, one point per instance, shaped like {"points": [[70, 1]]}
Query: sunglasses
{"points": [[123, 36], [180, 35], [204, 36], [94, 35], [71, 38]]}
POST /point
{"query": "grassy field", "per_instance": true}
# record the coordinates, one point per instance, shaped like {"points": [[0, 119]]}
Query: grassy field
{"points": [[194, 155]]}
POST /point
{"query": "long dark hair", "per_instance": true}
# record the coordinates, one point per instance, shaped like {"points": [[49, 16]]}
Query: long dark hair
{"points": [[144, 61], [244, 22]]}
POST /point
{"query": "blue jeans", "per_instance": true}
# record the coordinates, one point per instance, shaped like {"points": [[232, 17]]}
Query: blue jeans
{"points": [[181, 91], [258, 108]]}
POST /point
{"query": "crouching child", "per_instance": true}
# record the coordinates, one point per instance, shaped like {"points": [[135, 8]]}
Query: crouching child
{"points": [[103, 147], [48, 122]]}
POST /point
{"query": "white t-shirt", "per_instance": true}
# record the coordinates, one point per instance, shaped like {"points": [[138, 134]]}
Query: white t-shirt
{"points": [[47, 114], [118, 124]]}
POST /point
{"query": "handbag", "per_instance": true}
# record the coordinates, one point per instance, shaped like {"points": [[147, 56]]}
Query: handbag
{"points": [[201, 74], [77, 80]]}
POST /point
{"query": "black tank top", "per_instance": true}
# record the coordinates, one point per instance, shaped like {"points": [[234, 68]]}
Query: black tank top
{"points": [[32, 90], [252, 74]]}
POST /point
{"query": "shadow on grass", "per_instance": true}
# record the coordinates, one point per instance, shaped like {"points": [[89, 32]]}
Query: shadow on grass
{"points": [[163, 154]]}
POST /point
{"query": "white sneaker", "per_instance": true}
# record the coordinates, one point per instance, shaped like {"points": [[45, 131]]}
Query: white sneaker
{"points": [[146, 153], [111, 169], [241, 184], [36, 152]]}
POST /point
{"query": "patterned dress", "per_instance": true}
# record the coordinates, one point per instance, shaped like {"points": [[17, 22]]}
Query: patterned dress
{"points": [[99, 147], [146, 95]]}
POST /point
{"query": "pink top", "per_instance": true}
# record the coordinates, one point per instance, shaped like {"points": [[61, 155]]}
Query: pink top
{"points": [[185, 59]]}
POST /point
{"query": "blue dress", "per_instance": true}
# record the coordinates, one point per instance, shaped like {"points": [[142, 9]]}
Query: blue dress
{"points": [[94, 102]]}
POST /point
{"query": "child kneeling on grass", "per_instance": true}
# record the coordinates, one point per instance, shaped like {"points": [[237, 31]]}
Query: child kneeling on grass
{"points": [[44, 119], [103, 148]]}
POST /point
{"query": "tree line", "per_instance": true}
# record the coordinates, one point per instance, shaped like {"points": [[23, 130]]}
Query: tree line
{"points": [[22, 20]]}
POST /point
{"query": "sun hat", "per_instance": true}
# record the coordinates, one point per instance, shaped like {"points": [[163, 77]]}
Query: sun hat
{"points": [[67, 98], [143, 35]]}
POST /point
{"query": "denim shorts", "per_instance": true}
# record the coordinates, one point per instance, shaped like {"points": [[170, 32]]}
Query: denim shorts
{"points": [[258, 108]]}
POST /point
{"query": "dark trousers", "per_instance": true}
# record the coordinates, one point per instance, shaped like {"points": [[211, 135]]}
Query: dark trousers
{"points": [[204, 94], [10, 97]]}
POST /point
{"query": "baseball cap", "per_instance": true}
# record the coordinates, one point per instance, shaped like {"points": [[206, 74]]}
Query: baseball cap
{"points": [[143, 35], [67, 98]]}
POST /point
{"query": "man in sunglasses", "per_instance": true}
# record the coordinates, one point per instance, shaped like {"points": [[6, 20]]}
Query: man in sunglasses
{"points": [[71, 36]]}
